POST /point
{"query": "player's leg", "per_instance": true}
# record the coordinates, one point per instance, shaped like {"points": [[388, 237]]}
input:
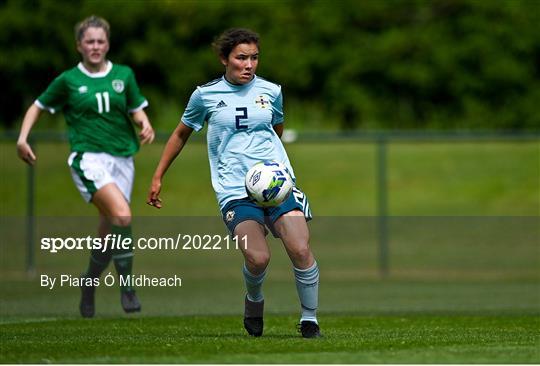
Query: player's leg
{"points": [[256, 257], [256, 252], [244, 219], [99, 260], [288, 222], [293, 231], [89, 173], [113, 205], [106, 181], [115, 218]]}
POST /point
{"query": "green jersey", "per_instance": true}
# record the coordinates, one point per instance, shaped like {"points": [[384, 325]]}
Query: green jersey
{"points": [[97, 107]]}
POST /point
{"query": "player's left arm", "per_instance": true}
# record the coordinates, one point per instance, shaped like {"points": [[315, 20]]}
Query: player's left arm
{"points": [[147, 133], [136, 103]]}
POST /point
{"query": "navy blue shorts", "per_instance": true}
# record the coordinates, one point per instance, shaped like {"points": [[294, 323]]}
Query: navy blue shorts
{"points": [[240, 210]]}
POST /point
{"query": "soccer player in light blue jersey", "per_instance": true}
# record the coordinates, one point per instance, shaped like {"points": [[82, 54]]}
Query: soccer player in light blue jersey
{"points": [[244, 114]]}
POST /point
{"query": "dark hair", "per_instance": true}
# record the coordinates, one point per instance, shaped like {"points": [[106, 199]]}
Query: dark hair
{"points": [[94, 22], [231, 38]]}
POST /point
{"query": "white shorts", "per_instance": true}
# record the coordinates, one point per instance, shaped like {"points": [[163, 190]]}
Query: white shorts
{"points": [[91, 171]]}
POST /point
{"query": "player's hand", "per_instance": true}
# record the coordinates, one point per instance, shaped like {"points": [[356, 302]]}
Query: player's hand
{"points": [[25, 152], [153, 195], [147, 133]]}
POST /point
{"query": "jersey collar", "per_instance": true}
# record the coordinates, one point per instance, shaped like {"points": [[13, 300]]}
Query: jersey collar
{"points": [[101, 74], [239, 86]]}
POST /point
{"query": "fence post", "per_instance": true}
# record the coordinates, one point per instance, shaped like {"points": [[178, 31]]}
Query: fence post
{"points": [[382, 205], [30, 219]]}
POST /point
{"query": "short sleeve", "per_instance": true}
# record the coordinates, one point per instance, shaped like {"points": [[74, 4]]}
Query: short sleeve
{"points": [[195, 113], [55, 96], [134, 99], [277, 109]]}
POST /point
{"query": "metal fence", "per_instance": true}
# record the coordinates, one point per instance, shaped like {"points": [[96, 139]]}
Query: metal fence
{"points": [[382, 139]]}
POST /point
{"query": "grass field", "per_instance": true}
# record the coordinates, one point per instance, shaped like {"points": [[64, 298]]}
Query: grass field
{"points": [[424, 179], [348, 339], [464, 256]]}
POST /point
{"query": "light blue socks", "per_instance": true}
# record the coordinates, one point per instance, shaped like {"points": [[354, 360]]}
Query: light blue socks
{"points": [[307, 285], [253, 284]]}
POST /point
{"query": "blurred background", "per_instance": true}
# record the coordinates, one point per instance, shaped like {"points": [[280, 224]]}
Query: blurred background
{"points": [[414, 131], [345, 65]]}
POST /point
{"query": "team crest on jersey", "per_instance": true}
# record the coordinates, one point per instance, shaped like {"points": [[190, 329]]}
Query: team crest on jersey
{"points": [[118, 85], [262, 102], [229, 216]]}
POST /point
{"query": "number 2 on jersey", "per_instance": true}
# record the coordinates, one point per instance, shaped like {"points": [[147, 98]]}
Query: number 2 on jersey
{"points": [[103, 98], [240, 117]]}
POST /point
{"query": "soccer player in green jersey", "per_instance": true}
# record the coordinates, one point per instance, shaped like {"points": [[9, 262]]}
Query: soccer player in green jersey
{"points": [[101, 102]]}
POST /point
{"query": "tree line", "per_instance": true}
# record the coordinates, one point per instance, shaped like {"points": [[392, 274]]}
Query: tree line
{"points": [[347, 64]]}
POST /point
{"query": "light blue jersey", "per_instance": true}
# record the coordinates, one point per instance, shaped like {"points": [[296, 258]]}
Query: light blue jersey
{"points": [[240, 130]]}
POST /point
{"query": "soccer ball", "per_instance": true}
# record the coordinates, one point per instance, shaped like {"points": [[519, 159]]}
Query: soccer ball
{"points": [[269, 183]]}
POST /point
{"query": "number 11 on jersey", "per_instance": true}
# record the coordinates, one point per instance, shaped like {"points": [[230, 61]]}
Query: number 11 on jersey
{"points": [[103, 98]]}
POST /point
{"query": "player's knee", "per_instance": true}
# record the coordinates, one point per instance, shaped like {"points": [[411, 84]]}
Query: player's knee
{"points": [[301, 253], [259, 261], [123, 219]]}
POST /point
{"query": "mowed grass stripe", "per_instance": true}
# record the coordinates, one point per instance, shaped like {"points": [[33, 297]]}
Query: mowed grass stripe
{"points": [[221, 339]]}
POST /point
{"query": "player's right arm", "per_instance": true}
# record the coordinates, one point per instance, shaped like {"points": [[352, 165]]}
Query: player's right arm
{"points": [[174, 145], [53, 99], [23, 148], [192, 119]]}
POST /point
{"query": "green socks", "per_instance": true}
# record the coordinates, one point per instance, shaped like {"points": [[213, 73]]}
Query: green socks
{"points": [[123, 258]]}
